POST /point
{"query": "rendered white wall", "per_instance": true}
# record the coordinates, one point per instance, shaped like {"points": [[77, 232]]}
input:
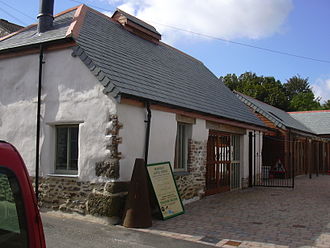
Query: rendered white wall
{"points": [[133, 137], [199, 131], [162, 137], [133, 133], [245, 150], [70, 94], [245, 156]]}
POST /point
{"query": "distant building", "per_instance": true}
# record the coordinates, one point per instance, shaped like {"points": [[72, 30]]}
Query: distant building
{"points": [[300, 140], [7, 27]]}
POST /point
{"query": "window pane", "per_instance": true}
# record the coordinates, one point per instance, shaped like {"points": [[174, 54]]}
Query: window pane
{"points": [[61, 148], [236, 147], [12, 217], [181, 147], [73, 148], [67, 149]]}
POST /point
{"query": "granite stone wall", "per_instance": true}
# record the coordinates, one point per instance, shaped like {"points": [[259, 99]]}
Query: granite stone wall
{"points": [[191, 184], [72, 195]]}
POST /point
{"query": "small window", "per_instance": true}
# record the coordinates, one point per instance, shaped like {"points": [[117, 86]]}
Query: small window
{"points": [[67, 149], [13, 232], [181, 146]]}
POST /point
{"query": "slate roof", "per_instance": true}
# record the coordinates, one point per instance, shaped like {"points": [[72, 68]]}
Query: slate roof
{"points": [[8, 27], [128, 65], [317, 121], [29, 36], [279, 117]]}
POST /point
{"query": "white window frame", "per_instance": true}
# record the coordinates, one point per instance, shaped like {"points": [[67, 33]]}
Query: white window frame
{"points": [[66, 171]]}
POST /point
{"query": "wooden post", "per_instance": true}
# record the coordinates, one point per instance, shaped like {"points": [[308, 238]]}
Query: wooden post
{"points": [[287, 151]]}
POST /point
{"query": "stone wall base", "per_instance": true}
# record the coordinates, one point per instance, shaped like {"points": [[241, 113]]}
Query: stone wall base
{"points": [[189, 187], [74, 196], [191, 183]]}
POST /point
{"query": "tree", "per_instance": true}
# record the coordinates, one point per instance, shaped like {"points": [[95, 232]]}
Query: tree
{"points": [[326, 105], [296, 85], [231, 81], [300, 94], [265, 89], [295, 95], [304, 101]]}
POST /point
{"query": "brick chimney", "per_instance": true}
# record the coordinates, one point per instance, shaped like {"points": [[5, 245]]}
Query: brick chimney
{"points": [[45, 16], [137, 26]]}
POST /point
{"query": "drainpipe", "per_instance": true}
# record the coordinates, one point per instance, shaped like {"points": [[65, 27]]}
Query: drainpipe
{"points": [[148, 121], [41, 56]]}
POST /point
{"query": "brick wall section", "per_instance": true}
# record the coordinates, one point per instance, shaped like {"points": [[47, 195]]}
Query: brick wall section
{"points": [[72, 195], [192, 184]]}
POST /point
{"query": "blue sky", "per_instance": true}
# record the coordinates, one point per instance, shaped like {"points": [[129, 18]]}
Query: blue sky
{"points": [[299, 27]]}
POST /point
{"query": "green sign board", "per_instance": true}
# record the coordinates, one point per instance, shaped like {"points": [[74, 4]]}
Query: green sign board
{"points": [[165, 189]]}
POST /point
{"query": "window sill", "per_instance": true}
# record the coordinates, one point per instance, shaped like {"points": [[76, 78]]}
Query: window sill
{"points": [[62, 175], [181, 173]]}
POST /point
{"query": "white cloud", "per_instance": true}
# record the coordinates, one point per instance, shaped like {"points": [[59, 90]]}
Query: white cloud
{"points": [[229, 19], [108, 13], [321, 88]]}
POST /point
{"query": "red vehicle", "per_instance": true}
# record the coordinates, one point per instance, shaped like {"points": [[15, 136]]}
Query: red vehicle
{"points": [[20, 222]]}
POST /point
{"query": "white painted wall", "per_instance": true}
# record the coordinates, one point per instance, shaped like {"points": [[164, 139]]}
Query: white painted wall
{"points": [[133, 137], [199, 131], [245, 155], [70, 94], [245, 152], [162, 137]]}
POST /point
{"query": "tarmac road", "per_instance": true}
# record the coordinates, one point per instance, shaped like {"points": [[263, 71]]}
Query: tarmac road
{"points": [[61, 231]]}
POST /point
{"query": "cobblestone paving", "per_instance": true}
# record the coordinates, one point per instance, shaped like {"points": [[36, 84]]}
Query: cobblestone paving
{"points": [[258, 217]]}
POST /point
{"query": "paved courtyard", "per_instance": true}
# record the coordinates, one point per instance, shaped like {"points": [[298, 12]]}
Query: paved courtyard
{"points": [[258, 217]]}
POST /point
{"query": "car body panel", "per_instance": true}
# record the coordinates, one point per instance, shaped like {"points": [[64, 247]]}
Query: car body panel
{"points": [[11, 160]]}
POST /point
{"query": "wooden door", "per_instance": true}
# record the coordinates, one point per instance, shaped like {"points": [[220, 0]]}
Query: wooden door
{"points": [[218, 163]]}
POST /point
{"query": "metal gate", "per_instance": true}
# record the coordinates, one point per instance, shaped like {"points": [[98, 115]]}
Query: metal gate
{"points": [[275, 169], [223, 162]]}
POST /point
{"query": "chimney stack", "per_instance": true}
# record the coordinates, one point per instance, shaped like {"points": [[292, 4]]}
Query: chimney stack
{"points": [[45, 17]]}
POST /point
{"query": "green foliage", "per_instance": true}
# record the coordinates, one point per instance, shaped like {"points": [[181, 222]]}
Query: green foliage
{"points": [[304, 101], [294, 95], [326, 105], [296, 85], [265, 89]]}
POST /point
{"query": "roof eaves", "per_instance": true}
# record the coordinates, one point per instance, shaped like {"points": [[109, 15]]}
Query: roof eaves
{"points": [[276, 122], [109, 87]]}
